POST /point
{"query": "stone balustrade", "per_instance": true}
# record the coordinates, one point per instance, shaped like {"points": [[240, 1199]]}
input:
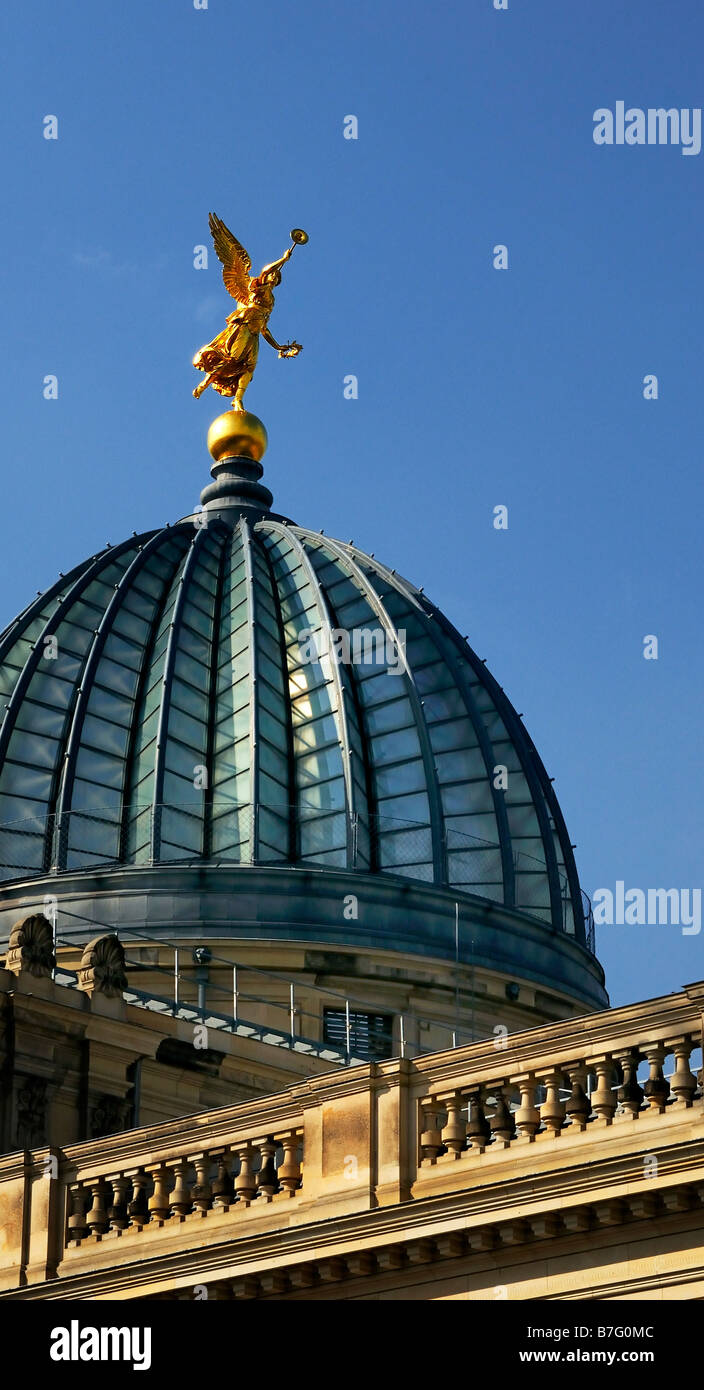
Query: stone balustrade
{"points": [[567, 1129], [221, 1178], [544, 1103]]}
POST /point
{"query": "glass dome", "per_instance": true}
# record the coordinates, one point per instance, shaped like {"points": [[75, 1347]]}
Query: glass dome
{"points": [[248, 691]]}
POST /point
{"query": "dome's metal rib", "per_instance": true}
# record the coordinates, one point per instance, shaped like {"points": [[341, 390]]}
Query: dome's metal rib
{"points": [[282, 570], [60, 615], [311, 707], [290, 757], [173, 533], [485, 748], [20, 643], [565, 844], [246, 539], [62, 586], [167, 685], [370, 809], [231, 772], [538, 782], [278, 764], [224, 535], [519, 739], [446, 652], [433, 792], [338, 683], [62, 802]]}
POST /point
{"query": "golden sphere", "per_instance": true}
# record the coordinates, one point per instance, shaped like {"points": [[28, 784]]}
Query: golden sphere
{"points": [[236, 432], [300, 237]]}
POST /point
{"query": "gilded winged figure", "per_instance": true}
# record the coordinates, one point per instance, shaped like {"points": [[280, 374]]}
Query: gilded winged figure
{"points": [[230, 359]]}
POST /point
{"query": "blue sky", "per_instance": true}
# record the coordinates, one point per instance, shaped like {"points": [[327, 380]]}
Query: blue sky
{"points": [[477, 387]]}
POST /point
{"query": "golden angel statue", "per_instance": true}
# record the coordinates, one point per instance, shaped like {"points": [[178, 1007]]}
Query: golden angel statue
{"points": [[230, 359]]}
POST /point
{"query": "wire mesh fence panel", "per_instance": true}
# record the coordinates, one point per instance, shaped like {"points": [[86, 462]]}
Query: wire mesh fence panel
{"points": [[219, 832]]}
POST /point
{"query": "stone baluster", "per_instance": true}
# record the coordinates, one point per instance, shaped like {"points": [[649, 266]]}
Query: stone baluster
{"points": [[80, 1198], [200, 1192], [603, 1099], [138, 1207], [267, 1177], [656, 1088], [431, 1138], [478, 1130], [180, 1200], [683, 1082], [501, 1122], [527, 1116], [552, 1111], [578, 1107], [290, 1169], [158, 1204], [117, 1209], [245, 1182], [97, 1216], [454, 1131], [221, 1187], [629, 1093]]}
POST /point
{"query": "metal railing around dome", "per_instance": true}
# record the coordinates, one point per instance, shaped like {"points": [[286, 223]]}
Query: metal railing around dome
{"points": [[231, 1007], [589, 929], [229, 1003], [223, 833]]}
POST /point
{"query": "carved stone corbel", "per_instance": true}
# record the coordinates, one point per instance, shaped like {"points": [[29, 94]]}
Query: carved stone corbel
{"points": [[31, 947], [102, 967]]}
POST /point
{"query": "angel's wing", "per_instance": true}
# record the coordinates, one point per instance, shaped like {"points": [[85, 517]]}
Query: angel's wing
{"points": [[236, 262]]}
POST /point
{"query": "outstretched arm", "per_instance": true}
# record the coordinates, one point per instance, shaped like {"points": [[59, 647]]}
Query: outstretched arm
{"points": [[272, 340], [283, 349]]}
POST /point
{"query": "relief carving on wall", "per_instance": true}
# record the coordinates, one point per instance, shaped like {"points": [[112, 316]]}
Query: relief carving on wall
{"points": [[31, 1112]]}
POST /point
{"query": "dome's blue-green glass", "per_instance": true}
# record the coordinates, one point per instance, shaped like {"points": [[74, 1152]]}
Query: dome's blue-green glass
{"points": [[178, 698]]}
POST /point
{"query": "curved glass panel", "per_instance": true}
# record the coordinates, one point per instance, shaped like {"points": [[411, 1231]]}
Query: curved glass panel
{"points": [[265, 694]]}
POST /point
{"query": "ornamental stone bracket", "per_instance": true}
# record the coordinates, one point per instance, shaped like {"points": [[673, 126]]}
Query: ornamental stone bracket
{"points": [[31, 947], [102, 967]]}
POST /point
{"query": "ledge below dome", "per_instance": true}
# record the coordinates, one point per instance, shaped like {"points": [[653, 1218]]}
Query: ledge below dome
{"points": [[286, 905]]}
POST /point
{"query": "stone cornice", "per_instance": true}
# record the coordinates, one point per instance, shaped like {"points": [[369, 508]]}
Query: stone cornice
{"points": [[665, 1017], [554, 1131], [508, 1202]]}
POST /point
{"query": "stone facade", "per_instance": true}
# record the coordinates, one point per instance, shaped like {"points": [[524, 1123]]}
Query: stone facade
{"points": [[79, 1063], [546, 1169]]}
